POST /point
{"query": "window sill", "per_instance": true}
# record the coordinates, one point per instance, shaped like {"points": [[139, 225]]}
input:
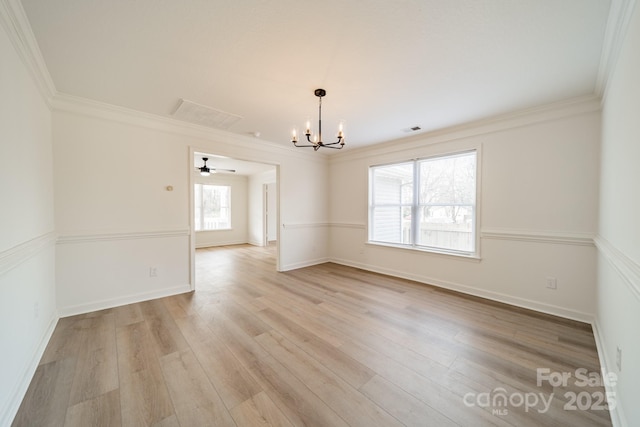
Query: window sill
{"points": [[217, 229], [475, 257]]}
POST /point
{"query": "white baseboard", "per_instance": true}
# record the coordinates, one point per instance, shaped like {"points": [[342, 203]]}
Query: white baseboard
{"points": [[10, 408], [227, 243], [129, 299], [617, 414], [470, 290], [303, 264]]}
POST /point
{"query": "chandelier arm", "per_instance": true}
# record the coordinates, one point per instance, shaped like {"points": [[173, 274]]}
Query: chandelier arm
{"points": [[303, 146], [339, 141]]}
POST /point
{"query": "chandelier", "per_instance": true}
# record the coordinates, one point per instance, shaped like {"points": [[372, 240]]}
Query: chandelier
{"points": [[317, 142]]}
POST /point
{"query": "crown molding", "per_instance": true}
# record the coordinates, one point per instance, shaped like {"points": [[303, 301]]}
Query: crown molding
{"points": [[95, 109], [620, 14], [540, 114], [16, 25]]}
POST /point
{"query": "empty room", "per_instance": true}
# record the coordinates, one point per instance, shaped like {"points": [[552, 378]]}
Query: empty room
{"points": [[341, 213]]}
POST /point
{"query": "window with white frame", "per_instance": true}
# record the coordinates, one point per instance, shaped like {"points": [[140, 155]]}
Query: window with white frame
{"points": [[427, 204], [212, 207]]}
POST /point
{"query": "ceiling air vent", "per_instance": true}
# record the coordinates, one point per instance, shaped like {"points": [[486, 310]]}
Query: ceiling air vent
{"points": [[202, 115]]}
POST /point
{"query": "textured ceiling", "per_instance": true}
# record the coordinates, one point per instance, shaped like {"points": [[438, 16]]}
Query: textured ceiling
{"points": [[387, 65]]}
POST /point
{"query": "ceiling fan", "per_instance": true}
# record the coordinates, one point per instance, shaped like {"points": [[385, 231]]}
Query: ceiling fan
{"points": [[206, 170]]}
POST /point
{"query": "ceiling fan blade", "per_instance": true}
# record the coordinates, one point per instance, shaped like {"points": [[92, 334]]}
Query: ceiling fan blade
{"points": [[223, 170]]}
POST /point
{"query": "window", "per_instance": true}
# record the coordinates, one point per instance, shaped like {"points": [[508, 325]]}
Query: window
{"points": [[212, 207], [425, 204]]}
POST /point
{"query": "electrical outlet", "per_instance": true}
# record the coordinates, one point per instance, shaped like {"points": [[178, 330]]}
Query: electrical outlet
{"points": [[552, 283], [619, 358], [153, 271]]}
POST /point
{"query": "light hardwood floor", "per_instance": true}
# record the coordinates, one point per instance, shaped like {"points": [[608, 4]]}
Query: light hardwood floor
{"points": [[321, 346]]}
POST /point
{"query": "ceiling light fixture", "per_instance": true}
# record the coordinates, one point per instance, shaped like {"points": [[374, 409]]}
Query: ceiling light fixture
{"points": [[205, 170], [316, 143]]}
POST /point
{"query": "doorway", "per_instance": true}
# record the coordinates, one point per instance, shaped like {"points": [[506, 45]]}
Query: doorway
{"points": [[252, 207]]}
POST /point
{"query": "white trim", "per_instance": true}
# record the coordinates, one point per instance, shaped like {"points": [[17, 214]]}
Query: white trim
{"points": [[627, 268], [557, 237], [470, 290], [356, 226], [544, 113], [129, 299], [127, 235], [10, 408], [303, 264], [15, 256], [616, 414], [553, 237], [95, 109], [16, 25], [620, 13], [291, 226], [226, 243], [466, 256]]}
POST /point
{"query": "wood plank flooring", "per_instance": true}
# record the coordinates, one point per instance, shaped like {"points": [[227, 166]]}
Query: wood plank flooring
{"points": [[321, 346]]}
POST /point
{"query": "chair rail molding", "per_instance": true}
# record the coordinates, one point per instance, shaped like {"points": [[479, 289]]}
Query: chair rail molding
{"points": [[539, 236], [106, 236], [628, 269], [16, 255]]}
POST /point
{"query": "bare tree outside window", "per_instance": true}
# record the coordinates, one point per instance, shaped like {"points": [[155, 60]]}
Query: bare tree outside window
{"points": [[212, 207], [426, 203]]}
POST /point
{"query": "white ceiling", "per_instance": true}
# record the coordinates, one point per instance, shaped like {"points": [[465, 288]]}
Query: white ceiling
{"points": [[386, 65]]}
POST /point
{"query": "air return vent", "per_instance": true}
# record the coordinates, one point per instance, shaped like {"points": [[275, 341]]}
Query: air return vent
{"points": [[200, 114]]}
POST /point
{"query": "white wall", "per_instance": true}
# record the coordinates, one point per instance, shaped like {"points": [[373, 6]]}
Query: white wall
{"points": [[239, 232], [256, 205], [27, 234], [112, 167], [538, 209], [115, 218], [618, 308]]}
